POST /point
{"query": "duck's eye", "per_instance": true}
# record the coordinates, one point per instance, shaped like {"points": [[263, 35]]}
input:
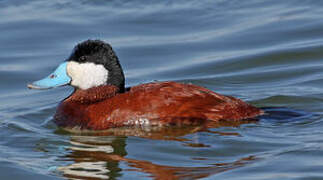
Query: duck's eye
{"points": [[52, 76]]}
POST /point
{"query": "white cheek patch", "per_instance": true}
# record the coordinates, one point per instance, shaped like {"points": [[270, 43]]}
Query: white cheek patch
{"points": [[87, 75]]}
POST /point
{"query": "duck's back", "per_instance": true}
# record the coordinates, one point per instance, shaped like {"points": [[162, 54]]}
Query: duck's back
{"points": [[159, 103]]}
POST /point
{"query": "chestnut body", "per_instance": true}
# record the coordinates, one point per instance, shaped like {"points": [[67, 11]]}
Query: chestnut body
{"points": [[158, 103]]}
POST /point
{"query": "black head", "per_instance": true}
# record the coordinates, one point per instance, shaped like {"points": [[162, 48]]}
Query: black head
{"points": [[99, 52]]}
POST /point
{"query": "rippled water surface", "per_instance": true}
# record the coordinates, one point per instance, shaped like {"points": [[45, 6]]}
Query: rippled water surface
{"points": [[266, 52]]}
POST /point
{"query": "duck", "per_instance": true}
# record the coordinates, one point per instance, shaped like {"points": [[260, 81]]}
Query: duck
{"points": [[100, 100]]}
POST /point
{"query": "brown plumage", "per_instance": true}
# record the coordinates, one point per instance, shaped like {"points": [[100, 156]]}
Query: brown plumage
{"points": [[158, 103]]}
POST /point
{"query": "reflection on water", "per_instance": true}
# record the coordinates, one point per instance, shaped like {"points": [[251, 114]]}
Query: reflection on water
{"points": [[101, 161], [86, 152], [81, 170]]}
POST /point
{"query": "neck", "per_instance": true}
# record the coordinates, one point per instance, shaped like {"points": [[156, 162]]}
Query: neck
{"points": [[94, 94]]}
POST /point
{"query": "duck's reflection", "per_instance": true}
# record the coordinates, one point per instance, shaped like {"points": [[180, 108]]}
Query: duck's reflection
{"points": [[90, 153], [99, 157]]}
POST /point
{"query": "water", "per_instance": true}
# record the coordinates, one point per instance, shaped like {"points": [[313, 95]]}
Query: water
{"points": [[266, 52]]}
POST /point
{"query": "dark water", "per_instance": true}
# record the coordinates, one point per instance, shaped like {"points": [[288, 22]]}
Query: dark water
{"points": [[266, 52]]}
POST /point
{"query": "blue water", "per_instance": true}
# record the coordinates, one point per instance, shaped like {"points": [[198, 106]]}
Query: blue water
{"points": [[266, 52]]}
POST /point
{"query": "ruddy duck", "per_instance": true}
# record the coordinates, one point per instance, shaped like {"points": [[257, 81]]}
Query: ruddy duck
{"points": [[100, 100]]}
